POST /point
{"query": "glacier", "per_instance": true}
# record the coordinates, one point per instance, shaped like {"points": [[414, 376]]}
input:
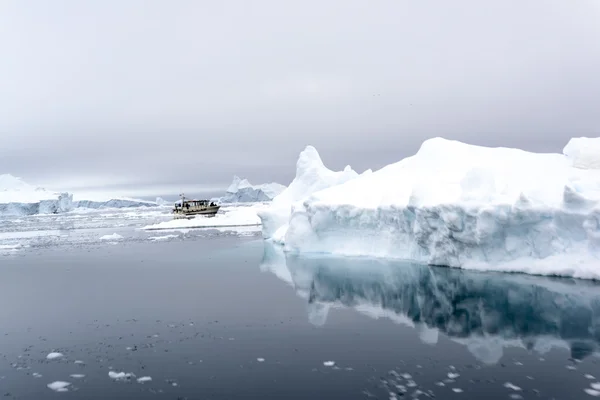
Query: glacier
{"points": [[486, 312], [18, 198], [455, 205], [242, 191], [311, 176]]}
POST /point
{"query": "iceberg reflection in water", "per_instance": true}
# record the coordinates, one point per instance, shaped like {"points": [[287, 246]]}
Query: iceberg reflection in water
{"points": [[484, 311]]}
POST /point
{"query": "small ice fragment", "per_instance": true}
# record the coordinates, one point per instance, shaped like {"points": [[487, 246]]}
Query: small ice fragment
{"points": [[457, 390], [595, 386], [59, 386], [509, 385], [120, 375], [440, 384], [144, 379], [453, 375], [406, 376], [36, 375], [114, 236], [79, 362], [411, 383], [515, 396], [54, 355], [260, 359], [588, 376], [592, 392], [571, 367], [329, 363], [77, 376], [518, 363]]}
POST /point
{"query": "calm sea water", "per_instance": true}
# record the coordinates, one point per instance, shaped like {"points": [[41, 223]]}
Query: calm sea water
{"points": [[224, 317]]}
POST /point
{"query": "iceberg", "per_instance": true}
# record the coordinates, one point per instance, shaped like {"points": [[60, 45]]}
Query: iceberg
{"points": [[311, 176], [118, 202], [459, 205], [20, 198], [486, 312], [242, 191]]}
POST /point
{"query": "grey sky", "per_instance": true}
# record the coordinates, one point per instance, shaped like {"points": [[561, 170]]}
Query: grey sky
{"points": [[135, 92]]}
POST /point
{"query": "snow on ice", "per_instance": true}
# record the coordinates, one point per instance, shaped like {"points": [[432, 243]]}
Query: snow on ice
{"points": [[452, 204], [242, 191]]}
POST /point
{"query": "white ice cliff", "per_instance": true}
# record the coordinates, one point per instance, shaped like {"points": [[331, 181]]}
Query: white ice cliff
{"points": [[457, 205], [241, 191], [311, 176], [20, 198], [487, 313]]}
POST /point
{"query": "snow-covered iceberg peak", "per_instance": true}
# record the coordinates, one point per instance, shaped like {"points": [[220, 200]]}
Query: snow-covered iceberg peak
{"points": [[242, 191], [583, 152], [460, 205], [311, 176]]}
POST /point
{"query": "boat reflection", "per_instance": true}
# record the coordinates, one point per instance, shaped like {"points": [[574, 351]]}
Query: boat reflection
{"points": [[486, 312]]}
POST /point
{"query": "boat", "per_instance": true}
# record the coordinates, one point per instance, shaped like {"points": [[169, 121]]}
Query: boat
{"points": [[189, 208]]}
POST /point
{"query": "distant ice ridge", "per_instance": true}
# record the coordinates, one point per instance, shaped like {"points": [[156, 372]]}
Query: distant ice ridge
{"points": [[114, 203], [241, 191], [311, 176], [457, 205], [20, 198]]}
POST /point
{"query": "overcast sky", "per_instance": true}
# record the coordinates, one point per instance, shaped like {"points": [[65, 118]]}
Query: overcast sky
{"points": [[151, 93]]}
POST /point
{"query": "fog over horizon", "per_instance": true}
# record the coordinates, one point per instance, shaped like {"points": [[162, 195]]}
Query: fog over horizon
{"points": [[148, 96]]}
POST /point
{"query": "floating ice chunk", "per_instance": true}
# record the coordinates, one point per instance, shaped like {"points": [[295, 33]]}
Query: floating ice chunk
{"points": [[243, 216], [119, 376], [163, 238], [77, 376], [36, 375], [59, 386], [595, 386], [260, 359], [453, 375], [54, 356], [588, 376], [509, 385], [114, 236], [79, 362], [457, 390], [592, 392], [144, 379], [329, 363]]}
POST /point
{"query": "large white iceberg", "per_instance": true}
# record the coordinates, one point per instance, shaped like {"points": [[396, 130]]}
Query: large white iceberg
{"points": [[242, 191], [311, 176], [460, 205]]}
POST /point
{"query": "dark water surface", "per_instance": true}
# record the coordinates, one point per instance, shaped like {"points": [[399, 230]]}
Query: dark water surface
{"points": [[197, 315]]}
